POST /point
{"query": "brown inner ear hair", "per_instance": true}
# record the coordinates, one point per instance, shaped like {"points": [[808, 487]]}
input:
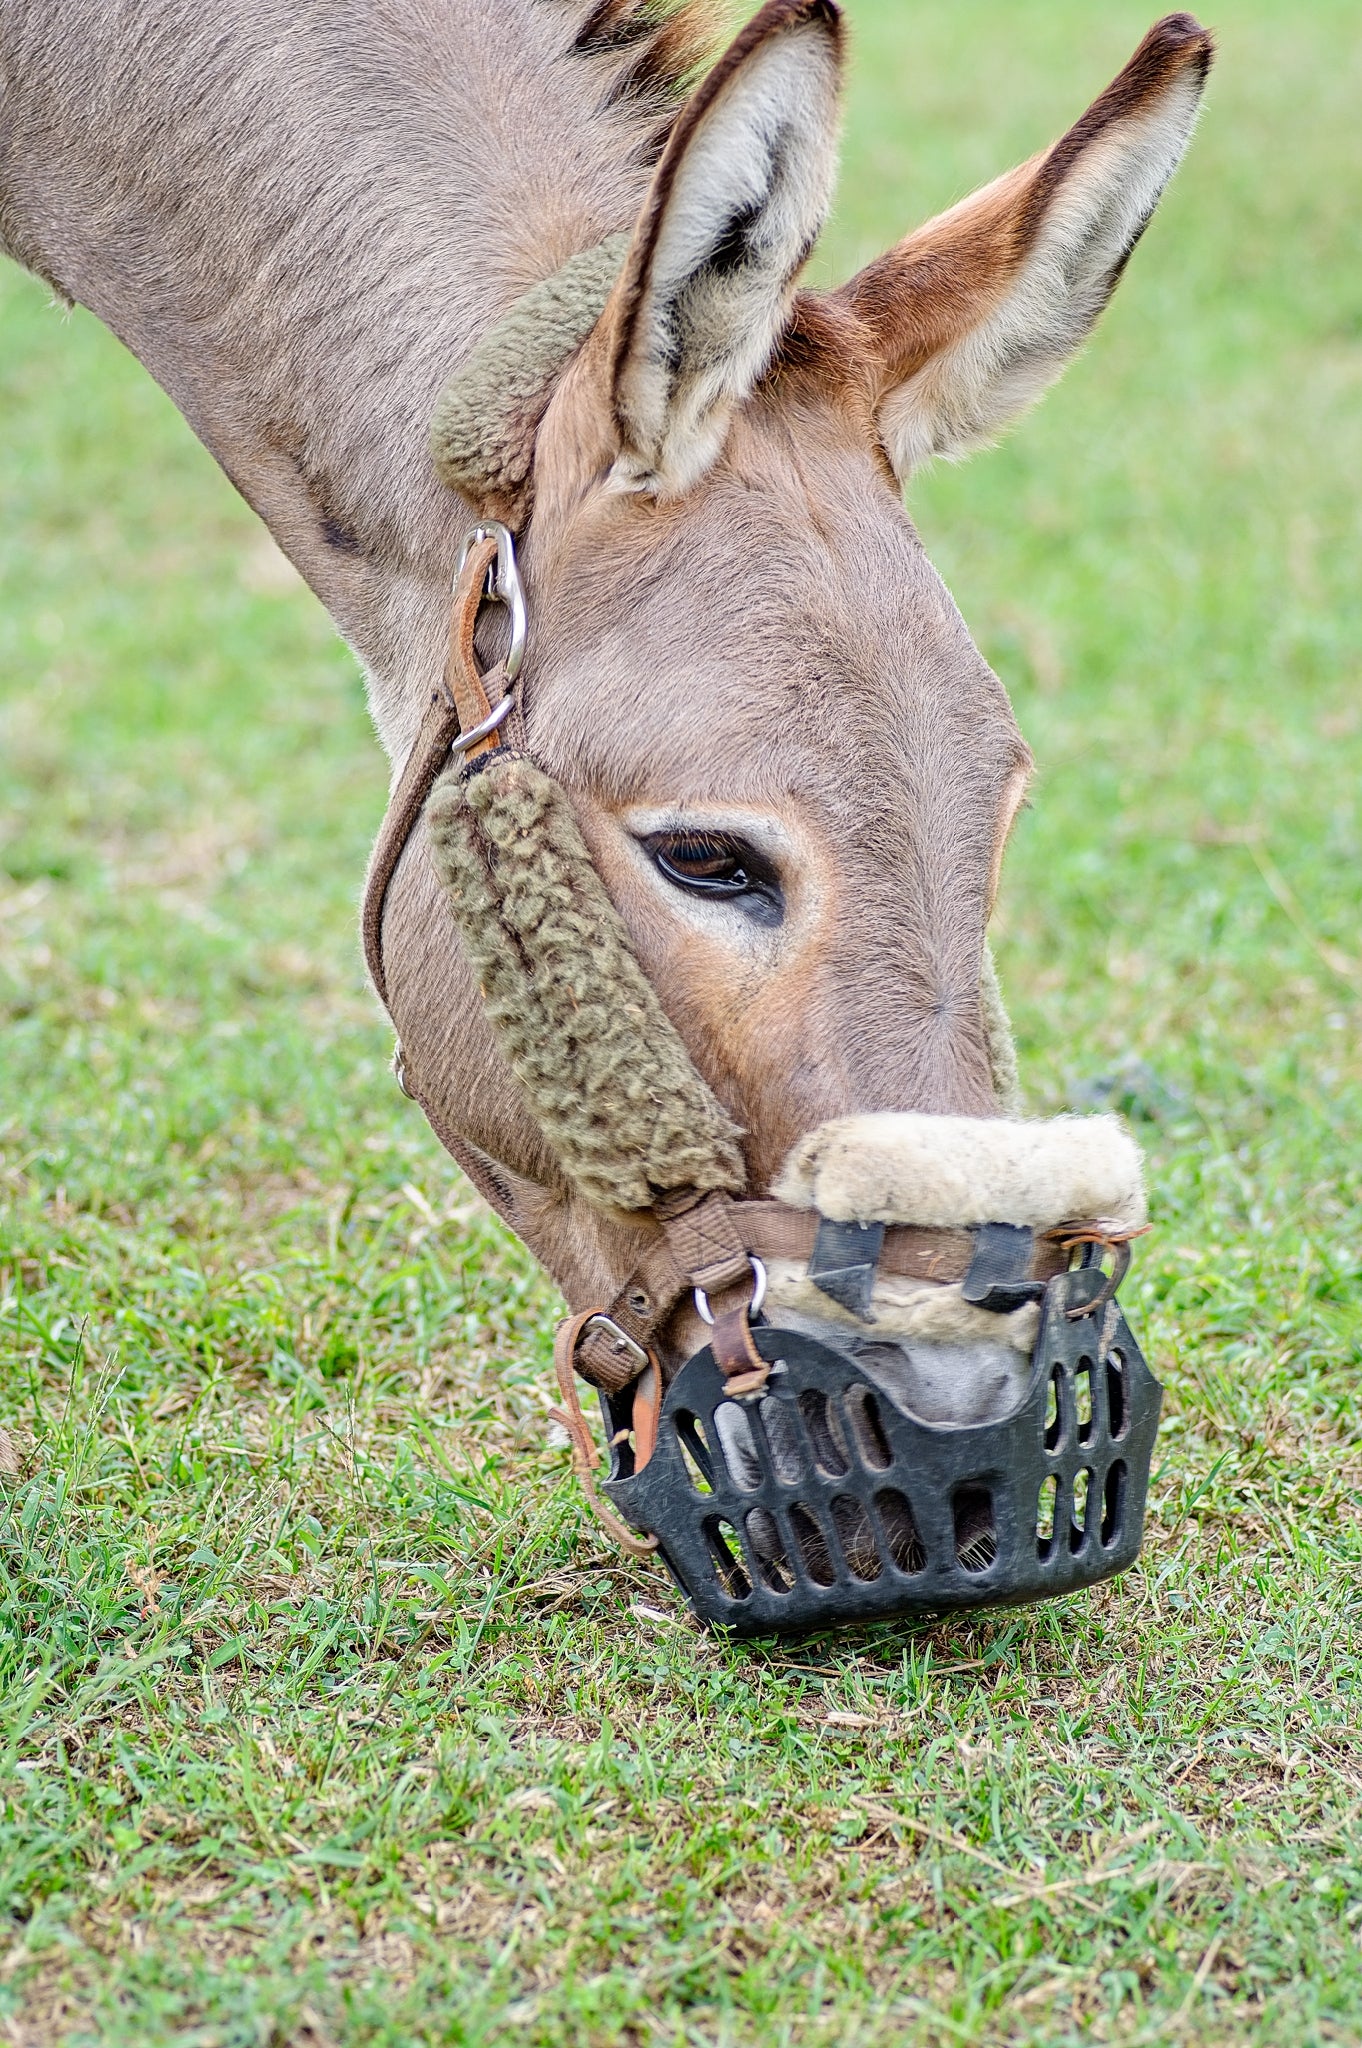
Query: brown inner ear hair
{"points": [[945, 277]]}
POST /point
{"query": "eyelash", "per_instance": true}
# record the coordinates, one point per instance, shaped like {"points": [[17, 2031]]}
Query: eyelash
{"points": [[749, 882]]}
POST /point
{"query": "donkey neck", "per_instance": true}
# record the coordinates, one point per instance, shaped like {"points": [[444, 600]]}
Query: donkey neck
{"points": [[300, 217]]}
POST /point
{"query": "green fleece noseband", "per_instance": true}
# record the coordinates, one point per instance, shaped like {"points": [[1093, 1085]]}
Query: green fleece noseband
{"points": [[601, 1065]]}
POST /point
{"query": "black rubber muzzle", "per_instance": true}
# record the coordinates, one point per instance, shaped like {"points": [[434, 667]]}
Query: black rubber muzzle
{"points": [[816, 1501]]}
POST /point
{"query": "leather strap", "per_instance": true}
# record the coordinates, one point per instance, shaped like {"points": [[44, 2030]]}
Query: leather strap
{"points": [[460, 702], [910, 1251], [736, 1356], [727, 1232], [585, 1456], [464, 681]]}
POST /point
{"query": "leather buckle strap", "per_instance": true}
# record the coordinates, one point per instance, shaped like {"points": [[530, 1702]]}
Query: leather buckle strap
{"points": [[585, 1457], [736, 1356], [465, 687], [462, 703]]}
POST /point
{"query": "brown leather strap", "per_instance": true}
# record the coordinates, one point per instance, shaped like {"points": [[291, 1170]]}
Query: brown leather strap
{"points": [[910, 1251], [736, 1356], [714, 1237], [647, 1414], [585, 1456], [463, 680], [460, 702]]}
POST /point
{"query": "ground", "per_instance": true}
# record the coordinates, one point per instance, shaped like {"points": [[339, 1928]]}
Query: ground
{"points": [[328, 1716]]}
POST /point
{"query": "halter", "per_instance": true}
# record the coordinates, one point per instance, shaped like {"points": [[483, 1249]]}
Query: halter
{"points": [[781, 1484]]}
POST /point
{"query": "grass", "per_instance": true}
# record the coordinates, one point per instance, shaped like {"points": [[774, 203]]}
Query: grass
{"points": [[327, 1715]]}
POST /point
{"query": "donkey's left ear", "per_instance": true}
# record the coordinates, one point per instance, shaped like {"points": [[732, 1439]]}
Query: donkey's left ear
{"points": [[736, 204], [972, 317]]}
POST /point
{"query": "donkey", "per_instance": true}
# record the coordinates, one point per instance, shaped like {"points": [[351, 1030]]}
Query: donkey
{"points": [[792, 767]]}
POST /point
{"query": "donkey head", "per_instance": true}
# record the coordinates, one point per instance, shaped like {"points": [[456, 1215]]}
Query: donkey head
{"points": [[794, 769]]}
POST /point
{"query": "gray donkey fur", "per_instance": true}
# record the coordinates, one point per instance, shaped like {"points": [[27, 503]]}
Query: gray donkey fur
{"points": [[305, 215]]}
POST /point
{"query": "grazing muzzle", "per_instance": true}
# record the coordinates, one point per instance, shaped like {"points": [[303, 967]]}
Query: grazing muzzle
{"points": [[818, 1467], [823, 1494]]}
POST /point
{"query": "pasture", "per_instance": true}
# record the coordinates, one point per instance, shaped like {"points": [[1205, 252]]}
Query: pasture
{"points": [[328, 1715]]}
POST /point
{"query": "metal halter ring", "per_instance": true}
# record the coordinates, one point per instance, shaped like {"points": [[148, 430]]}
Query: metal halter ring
{"points": [[399, 1065], [503, 587], [706, 1313], [483, 727]]}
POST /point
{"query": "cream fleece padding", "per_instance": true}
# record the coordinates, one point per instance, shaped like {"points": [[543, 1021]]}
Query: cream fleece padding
{"points": [[929, 1310], [949, 1171]]}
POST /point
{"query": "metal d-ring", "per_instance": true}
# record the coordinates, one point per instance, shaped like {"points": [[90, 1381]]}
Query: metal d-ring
{"points": [[503, 587], [706, 1313], [486, 725]]}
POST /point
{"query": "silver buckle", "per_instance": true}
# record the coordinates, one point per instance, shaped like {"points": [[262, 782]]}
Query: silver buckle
{"points": [[503, 587], [623, 1343]]}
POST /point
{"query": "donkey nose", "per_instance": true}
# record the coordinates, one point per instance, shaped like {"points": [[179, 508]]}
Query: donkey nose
{"points": [[931, 1055]]}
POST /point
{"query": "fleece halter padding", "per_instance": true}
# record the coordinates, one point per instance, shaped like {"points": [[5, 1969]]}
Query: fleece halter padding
{"points": [[953, 1171], [603, 1069], [486, 419]]}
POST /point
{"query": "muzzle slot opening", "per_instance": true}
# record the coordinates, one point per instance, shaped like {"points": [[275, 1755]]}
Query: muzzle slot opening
{"points": [[818, 1501]]}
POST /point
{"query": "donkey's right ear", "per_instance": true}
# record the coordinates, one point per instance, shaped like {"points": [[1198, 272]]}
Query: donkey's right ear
{"points": [[736, 204]]}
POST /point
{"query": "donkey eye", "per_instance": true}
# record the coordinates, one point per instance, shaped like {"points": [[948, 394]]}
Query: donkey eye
{"points": [[711, 864], [702, 863]]}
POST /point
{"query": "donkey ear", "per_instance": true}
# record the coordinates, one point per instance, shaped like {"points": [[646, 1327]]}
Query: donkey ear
{"points": [[735, 207], [974, 315]]}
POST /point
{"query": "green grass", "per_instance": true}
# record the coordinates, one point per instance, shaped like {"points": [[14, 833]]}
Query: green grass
{"points": [[327, 1714]]}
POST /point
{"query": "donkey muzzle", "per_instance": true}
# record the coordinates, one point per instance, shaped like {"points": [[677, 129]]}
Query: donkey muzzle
{"points": [[817, 1500], [817, 1493]]}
